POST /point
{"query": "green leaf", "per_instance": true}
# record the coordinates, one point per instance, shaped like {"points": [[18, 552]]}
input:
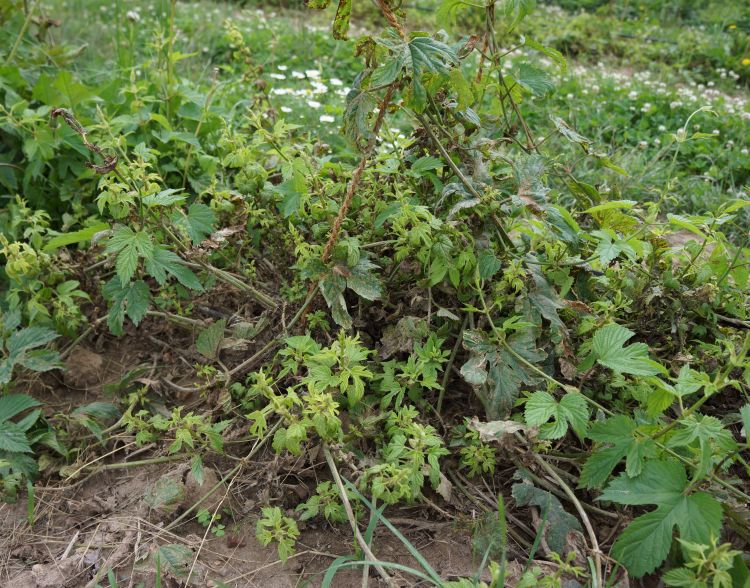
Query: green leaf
{"points": [[517, 10], [462, 88], [209, 341], [387, 72], [165, 198], [445, 16], [129, 246], [74, 237], [534, 79], [132, 300], [29, 338], [619, 431], [14, 404], [571, 410], [661, 483], [553, 54], [559, 522], [645, 543], [488, 264], [745, 416], [163, 262], [607, 348], [341, 21], [418, 56], [198, 223], [13, 438]]}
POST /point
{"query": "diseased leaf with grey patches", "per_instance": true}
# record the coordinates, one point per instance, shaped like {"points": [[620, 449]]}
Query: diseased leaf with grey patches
{"points": [[529, 172], [559, 522], [571, 134], [544, 299], [359, 107], [463, 205], [495, 373], [196, 469], [166, 494], [363, 281], [175, 558], [209, 341], [495, 430], [400, 338], [332, 287], [198, 223]]}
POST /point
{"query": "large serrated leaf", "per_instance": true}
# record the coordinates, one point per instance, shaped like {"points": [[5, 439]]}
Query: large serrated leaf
{"points": [[608, 348], [645, 543], [13, 438], [14, 404], [29, 338]]}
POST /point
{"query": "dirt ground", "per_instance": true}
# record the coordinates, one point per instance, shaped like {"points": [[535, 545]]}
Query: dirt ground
{"points": [[107, 523], [107, 511]]}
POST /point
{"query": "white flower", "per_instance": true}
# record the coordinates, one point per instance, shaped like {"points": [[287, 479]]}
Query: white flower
{"points": [[716, 132], [642, 144], [744, 151], [313, 104], [657, 141], [298, 74], [276, 76], [662, 128], [633, 95], [646, 107], [326, 118], [312, 73], [282, 67], [286, 109], [336, 82], [133, 16]]}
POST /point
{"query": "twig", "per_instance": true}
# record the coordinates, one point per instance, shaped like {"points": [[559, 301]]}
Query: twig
{"points": [[352, 520], [598, 582], [451, 360]]}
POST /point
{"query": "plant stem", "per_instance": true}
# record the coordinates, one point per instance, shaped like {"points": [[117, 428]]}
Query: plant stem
{"points": [[451, 360], [22, 32], [579, 507], [353, 520]]}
